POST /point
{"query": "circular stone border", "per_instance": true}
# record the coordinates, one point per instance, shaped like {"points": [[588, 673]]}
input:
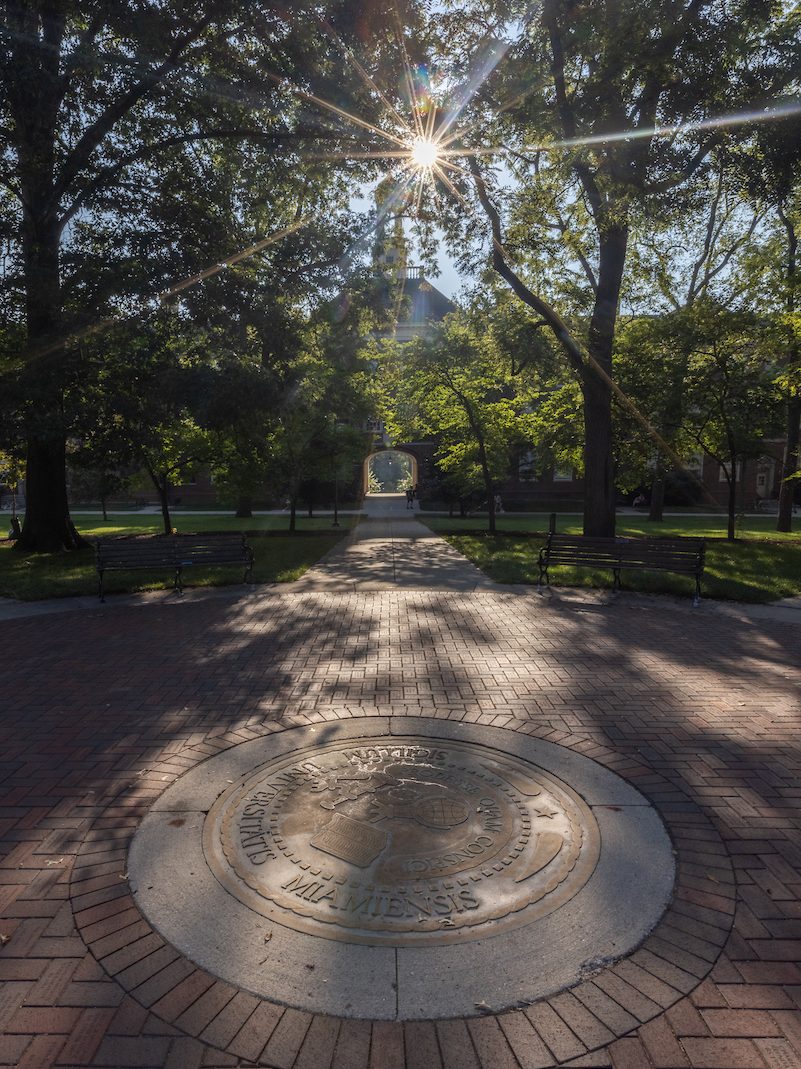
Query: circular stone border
{"points": [[175, 875], [668, 965]]}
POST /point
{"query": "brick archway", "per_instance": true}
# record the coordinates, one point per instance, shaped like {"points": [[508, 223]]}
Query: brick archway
{"points": [[406, 450]]}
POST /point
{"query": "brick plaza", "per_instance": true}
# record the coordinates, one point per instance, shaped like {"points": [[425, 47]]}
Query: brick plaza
{"points": [[103, 709]]}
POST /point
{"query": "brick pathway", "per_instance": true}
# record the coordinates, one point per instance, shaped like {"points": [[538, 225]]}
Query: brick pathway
{"points": [[101, 710]]}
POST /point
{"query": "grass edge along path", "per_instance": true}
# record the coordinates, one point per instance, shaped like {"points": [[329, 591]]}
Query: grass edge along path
{"points": [[279, 557], [758, 570]]}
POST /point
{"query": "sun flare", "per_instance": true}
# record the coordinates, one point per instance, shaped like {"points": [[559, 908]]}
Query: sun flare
{"points": [[425, 154]]}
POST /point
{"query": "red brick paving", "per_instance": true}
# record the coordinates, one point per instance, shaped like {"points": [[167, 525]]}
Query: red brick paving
{"points": [[103, 710]]}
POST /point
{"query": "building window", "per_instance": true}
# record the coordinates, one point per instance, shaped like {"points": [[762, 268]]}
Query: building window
{"points": [[526, 467], [722, 473], [695, 463], [563, 473], [766, 473]]}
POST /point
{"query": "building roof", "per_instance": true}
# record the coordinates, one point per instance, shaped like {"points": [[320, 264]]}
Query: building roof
{"points": [[422, 304]]}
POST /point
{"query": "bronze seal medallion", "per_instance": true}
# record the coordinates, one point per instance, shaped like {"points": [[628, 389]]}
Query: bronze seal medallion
{"points": [[402, 841]]}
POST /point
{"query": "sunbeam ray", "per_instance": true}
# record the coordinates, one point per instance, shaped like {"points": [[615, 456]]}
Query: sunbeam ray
{"points": [[399, 300], [443, 177], [465, 131], [495, 53], [739, 118], [364, 75], [145, 308], [419, 198], [397, 194], [375, 154], [237, 257], [431, 119], [444, 162], [413, 102], [735, 118], [302, 94]]}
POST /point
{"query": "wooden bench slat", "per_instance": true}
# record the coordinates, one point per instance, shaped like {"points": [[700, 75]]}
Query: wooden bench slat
{"points": [[683, 556], [175, 552]]}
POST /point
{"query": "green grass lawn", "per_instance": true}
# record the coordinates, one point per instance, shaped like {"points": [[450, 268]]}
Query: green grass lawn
{"points": [[676, 525], [278, 557], [150, 523], [760, 567]]}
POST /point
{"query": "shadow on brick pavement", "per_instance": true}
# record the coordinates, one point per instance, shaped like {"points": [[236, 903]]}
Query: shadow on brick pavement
{"points": [[105, 708]]}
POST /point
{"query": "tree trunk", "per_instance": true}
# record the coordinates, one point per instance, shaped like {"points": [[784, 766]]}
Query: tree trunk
{"points": [[309, 489], [731, 532], [103, 508], [162, 485], [47, 527], [657, 509], [599, 485], [244, 508], [485, 470], [599, 480], [488, 485], [790, 465], [784, 521], [163, 490], [293, 507], [478, 432], [491, 505], [164, 500]]}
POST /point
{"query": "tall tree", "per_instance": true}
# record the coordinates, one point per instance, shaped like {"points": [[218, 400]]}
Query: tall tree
{"points": [[769, 167], [94, 99], [578, 106], [732, 396], [149, 402], [458, 386], [698, 256]]}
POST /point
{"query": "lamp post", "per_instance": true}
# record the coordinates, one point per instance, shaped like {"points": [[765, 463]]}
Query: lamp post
{"points": [[336, 474]]}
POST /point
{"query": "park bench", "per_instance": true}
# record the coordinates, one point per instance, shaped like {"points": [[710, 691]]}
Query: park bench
{"points": [[684, 556], [173, 553]]}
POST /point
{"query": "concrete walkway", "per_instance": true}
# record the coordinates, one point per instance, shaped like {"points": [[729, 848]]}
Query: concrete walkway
{"points": [[391, 549]]}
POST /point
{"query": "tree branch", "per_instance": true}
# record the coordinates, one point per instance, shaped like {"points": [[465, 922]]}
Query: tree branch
{"points": [[663, 49], [582, 259], [107, 174], [533, 300], [687, 171], [692, 291], [87, 38], [104, 124], [743, 239], [566, 114]]}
